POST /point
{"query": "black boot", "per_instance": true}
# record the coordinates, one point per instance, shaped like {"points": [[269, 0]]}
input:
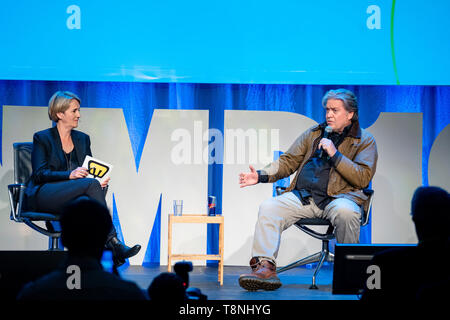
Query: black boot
{"points": [[121, 251]]}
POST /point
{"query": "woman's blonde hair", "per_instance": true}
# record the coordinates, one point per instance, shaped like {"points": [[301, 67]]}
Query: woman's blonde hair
{"points": [[60, 102]]}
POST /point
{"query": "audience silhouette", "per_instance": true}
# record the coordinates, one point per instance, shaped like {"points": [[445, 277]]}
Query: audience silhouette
{"points": [[167, 287], [416, 273], [85, 225]]}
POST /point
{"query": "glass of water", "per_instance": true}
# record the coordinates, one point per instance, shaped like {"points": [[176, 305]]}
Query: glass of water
{"points": [[177, 207]]}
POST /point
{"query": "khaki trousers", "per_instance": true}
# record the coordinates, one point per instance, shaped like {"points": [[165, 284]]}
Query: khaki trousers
{"points": [[279, 213]]}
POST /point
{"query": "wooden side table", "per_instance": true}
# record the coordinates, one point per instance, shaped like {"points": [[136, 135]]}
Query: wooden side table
{"points": [[190, 218]]}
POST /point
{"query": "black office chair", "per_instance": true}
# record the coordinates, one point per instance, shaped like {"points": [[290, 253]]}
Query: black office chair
{"points": [[22, 173], [324, 254]]}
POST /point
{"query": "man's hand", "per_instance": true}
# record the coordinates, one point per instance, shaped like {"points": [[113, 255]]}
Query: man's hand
{"points": [[78, 173], [248, 179], [328, 146]]}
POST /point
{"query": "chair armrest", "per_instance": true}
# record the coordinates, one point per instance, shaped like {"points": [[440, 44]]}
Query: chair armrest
{"points": [[279, 190], [16, 192]]}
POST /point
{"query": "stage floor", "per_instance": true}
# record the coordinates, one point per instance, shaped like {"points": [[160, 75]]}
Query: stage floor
{"points": [[296, 283]]}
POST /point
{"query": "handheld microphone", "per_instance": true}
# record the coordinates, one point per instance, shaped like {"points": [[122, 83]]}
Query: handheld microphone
{"points": [[328, 130]]}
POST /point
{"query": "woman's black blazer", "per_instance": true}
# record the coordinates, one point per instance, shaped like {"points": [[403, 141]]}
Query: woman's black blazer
{"points": [[48, 161]]}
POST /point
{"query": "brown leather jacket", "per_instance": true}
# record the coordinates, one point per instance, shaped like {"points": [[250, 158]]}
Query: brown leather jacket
{"points": [[352, 171]]}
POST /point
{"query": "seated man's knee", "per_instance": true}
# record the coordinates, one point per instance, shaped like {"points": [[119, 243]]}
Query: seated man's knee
{"points": [[269, 212], [266, 208], [347, 215]]}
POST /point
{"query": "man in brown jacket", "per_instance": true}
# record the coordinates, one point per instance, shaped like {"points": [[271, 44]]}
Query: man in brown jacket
{"points": [[333, 162]]}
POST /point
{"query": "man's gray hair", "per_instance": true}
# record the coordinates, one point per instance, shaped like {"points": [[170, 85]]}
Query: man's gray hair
{"points": [[347, 97]]}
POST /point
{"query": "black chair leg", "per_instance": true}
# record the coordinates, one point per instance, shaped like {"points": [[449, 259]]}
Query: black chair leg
{"points": [[54, 244], [320, 257], [325, 256], [309, 259], [316, 272]]}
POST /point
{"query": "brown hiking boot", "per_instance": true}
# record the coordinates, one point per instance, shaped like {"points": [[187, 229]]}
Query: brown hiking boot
{"points": [[263, 276]]}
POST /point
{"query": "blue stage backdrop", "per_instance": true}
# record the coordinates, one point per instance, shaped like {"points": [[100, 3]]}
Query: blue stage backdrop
{"points": [[139, 100]]}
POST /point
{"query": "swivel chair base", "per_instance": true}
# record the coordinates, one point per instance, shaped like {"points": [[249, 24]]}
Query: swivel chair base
{"points": [[320, 257]]}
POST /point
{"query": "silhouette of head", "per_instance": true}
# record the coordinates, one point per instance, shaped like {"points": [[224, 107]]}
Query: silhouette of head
{"points": [[430, 213], [85, 225], [167, 287]]}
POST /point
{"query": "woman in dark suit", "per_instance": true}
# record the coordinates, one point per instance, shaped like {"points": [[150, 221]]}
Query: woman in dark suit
{"points": [[58, 176]]}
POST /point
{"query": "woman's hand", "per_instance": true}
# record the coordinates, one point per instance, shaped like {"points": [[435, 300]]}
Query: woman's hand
{"points": [[78, 173], [105, 183]]}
